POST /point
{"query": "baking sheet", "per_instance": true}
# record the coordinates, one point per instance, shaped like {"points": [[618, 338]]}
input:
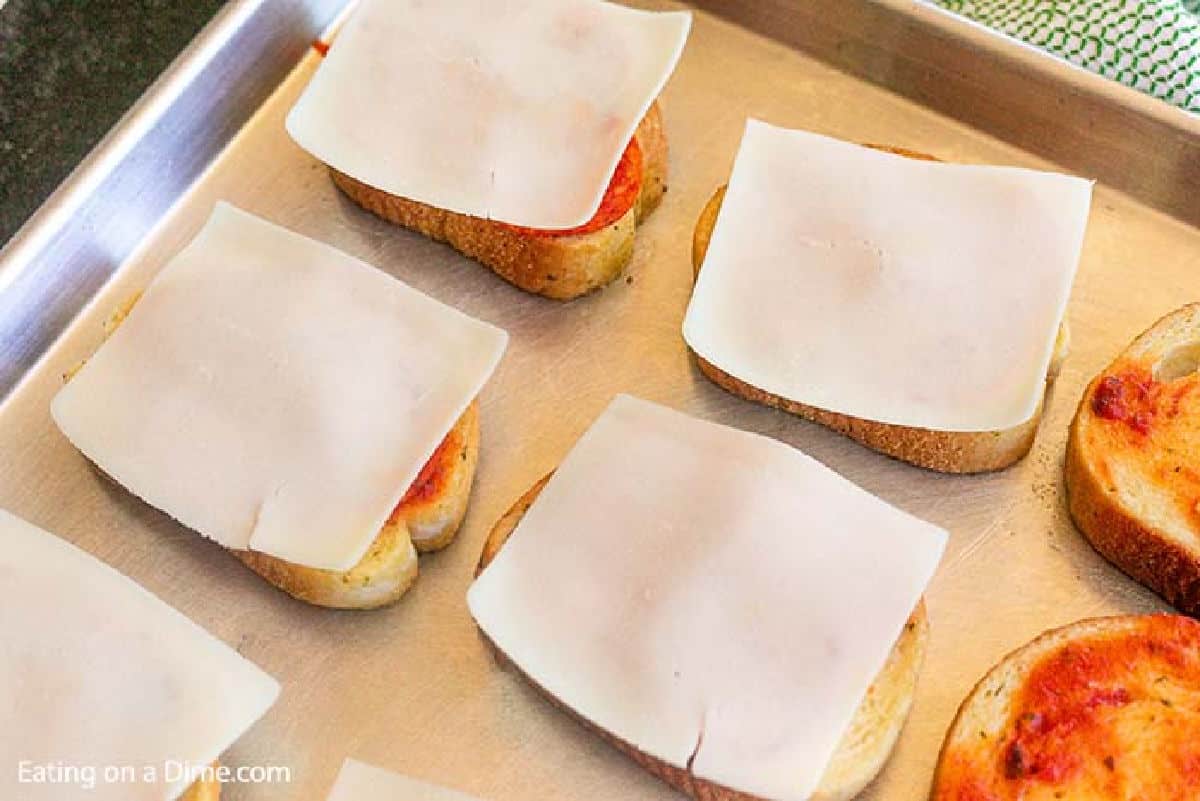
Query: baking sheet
{"points": [[412, 688]]}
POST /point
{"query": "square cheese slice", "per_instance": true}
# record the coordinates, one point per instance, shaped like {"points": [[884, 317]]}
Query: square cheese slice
{"points": [[512, 110], [906, 292], [713, 597], [358, 781], [276, 394], [96, 672]]}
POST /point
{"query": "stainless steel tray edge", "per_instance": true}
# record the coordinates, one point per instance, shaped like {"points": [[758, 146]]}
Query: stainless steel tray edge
{"points": [[59, 259], [1073, 117]]}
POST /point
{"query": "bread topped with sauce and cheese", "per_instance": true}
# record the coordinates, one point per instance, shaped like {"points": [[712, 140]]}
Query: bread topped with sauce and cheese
{"points": [[944, 451], [556, 264], [1102, 709], [528, 139], [1132, 473], [700, 577], [426, 519], [864, 747]]}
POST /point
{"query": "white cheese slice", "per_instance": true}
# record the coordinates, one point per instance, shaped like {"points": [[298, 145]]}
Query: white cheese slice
{"points": [[716, 598], [513, 110], [901, 291], [358, 781], [97, 673], [276, 394]]}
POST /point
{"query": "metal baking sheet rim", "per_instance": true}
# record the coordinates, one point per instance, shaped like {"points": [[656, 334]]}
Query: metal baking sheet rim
{"points": [[383, 686]]}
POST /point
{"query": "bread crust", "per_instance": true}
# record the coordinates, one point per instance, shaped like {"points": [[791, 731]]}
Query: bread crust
{"points": [[559, 267], [864, 748], [943, 451], [1104, 480], [976, 739]]}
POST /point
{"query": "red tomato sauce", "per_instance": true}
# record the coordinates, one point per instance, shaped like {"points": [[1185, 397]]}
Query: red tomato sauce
{"points": [[432, 477], [1063, 718], [1155, 417], [1133, 397], [1128, 398], [1064, 738]]}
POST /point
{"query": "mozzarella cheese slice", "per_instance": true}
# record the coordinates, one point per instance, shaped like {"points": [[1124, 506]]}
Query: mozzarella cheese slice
{"points": [[96, 673], [894, 290], [720, 600], [276, 394], [358, 781], [513, 110]]}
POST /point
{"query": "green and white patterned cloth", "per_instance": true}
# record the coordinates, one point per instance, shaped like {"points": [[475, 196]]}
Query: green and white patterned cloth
{"points": [[1151, 45]]}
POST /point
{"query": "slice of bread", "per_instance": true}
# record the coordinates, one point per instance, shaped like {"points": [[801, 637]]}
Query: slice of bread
{"points": [[944, 451], [559, 267], [1133, 460], [1101, 709], [426, 519], [865, 746]]}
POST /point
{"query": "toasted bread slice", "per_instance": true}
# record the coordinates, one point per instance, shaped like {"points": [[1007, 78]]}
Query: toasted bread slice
{"points": [[944, 451], [559, 267], [864, 747], [1132, 469], [426, 519], [1107, 708]]}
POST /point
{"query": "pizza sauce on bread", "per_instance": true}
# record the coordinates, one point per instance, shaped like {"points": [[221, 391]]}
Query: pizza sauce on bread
{"points": [[1160, 421], [1114, 715], [430, 482]]}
